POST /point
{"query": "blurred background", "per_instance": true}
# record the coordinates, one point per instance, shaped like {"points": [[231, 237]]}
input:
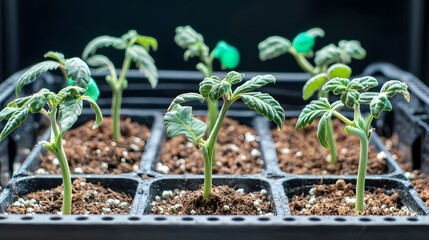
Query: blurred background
{"points": [[394, 31]]}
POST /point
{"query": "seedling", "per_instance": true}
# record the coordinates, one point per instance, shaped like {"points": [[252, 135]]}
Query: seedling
{"points": [[62, 110], [229, 57], [136, 49], [352, 98], [179, 120], [321, 72]]}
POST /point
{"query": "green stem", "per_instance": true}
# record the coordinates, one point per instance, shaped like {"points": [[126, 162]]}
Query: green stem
{"points": [[116, 114], [212, 114], [54, 127], [342, 118], [331, 141], [207, 190], [213, 135], [303, 63], [368, 121], [65, 172], [363, 159]]}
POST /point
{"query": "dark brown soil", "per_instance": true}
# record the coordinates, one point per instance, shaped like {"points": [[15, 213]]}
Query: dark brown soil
{"points": [[417, 178], [88, 198], [339, 199], [93, 151], [299, 152], [237, 153], [224, 201]]}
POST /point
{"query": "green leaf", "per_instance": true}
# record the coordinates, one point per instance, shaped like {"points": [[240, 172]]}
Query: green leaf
{"points": [[363, 83], [57, 56], [70, 109], [130, 35], [207, 84], [314, 109], [254, 83], [6, 113], [102, 42], [15, 120], [313, 84], [219, 90], [147, 42], [180, 121], [392, 87], [337, 85], [343, 53], [350, 98], [322, 129], [185, 97], [71, 92], [187, 36], [97, 111], [366, 97], [78, 71], [265, 105], [378, 104], [144, 62], [35, 72], [273, 47], [100, 61], [353, 49], [234, 77], [339, 70]]}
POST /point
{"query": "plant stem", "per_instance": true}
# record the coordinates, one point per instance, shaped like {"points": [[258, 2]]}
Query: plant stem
{"points": [[117, 98], [65, 173], [363, 159], [303, 62], [54, 127], [342, 118], [331, 142], [207, 190], [213, 135]]}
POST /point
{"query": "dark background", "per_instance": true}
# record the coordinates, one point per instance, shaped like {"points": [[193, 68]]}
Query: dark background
{"points": [[395, 31]]}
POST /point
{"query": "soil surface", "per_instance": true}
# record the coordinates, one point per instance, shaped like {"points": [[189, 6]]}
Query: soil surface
{"points": [[299, 152], [339, 199], [417, 178], [237, 153], [224, 201], [93, 151], [88, 198]]}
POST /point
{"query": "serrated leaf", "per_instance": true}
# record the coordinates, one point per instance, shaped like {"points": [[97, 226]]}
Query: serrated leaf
{"points": [[350, 98], [273, 47], [353, 49], [322, 129], [6, 113], [234, 77], [99, 61], [180, 121], [363, 83], [35, 72], [337, 85], [68, 112], [147, 42], [254, 83], [187, 36], [392, 87], [97, 111], [313, 84], [71, 92], [185, 97], [78, 71], [57, 56], [131, 34], [207, 84], [378, 104], [314, 109], [265, 105], [15, 120], [366, 97], [339, 70], [196, 50], [102, 42], [343, 53], [144, 62], [219, 90]]}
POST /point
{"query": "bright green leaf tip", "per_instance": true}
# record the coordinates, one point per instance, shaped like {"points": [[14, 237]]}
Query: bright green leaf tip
{"points": [[228, 55], [92, 91], [303, 42]]}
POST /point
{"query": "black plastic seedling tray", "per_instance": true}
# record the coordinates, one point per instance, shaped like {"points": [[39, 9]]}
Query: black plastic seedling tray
{"points": [[409, 121]]}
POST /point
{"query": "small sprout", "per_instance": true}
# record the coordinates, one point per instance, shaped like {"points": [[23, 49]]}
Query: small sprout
{"points": [[353, 93], [180, 121], [62, 109], [136, 48]]}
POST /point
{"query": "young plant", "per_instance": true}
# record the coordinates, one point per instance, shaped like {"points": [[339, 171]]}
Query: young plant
{"points": [[229, 57], [136, 49], [62, 110], [321, 72], [179, 120], [352, 98]]}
